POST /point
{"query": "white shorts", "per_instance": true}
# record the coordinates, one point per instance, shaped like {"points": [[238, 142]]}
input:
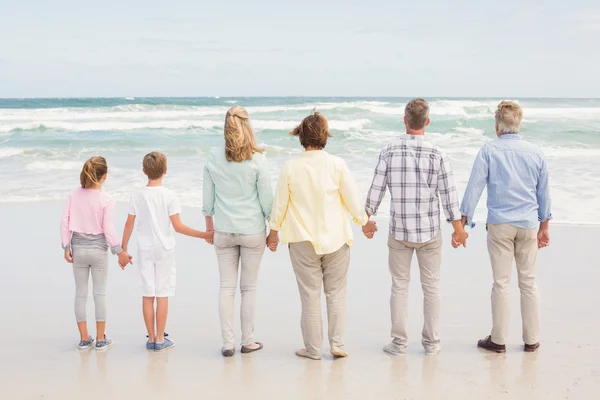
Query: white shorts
{"points": [[157, 272]]}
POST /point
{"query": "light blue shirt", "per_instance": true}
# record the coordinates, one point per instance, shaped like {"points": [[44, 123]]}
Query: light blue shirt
{"points": [[238, 195], [516, 176]]}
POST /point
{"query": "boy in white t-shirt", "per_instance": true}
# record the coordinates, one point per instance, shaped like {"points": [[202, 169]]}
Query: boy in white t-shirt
{"points": [[156, 210]]}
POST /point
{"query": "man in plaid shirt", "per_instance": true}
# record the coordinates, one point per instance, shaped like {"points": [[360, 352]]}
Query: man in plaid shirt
{"points": [[418, 175]]}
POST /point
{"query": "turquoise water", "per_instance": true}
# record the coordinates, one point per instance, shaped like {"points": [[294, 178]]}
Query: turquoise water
{"points": [[43, 142]]}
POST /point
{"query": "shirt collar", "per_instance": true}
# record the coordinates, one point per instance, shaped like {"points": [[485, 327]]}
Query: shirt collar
{"points": [[514, 136], [414, 137]]}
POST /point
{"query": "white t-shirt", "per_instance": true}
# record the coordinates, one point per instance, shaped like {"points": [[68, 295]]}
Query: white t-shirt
{"points": [[153, 206]]}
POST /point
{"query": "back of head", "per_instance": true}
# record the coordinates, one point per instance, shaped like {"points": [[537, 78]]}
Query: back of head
{"points": [[93, 171], [240, 143], [155, 165], [313, 131], [509, 117], [416, 113]]}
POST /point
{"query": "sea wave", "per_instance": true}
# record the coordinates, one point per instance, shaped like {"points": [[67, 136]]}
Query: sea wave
{"points": [[10, 152], [177, 125], [53, 166]]}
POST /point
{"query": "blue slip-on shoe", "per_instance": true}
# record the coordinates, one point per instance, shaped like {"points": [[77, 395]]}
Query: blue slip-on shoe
{"points": [[166, 345], [86, 344], [102, 345], [150, 346]]}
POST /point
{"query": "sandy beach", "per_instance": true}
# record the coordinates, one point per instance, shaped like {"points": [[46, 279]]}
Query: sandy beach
{"points": [[39, 359]]}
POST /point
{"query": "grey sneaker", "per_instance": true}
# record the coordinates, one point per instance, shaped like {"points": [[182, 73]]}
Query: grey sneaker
{"points": [[102, 345], [150, 346], [86, 344], [433, 350], [395, 349], [164, 346]]}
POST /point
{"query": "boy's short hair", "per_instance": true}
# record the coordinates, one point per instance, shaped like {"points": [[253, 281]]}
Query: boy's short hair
{"points": [[155, 165]]}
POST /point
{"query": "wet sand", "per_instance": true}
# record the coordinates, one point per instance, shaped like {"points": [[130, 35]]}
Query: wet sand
{"points": [[39, 358]]}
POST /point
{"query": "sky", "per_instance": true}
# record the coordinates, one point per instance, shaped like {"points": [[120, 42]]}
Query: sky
{"points": [[434, 48]]}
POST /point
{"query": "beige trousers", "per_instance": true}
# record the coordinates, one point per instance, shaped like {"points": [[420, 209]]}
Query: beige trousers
{"points": [[312, 272], [238, 255], [505, 243], [429, 255]]}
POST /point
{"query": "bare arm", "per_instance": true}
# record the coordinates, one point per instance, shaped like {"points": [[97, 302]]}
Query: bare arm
{"points": [[127, 231], [180, 227]]}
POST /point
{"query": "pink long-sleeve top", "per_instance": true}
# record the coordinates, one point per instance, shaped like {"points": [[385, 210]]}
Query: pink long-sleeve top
{"points": [[89, 212]]}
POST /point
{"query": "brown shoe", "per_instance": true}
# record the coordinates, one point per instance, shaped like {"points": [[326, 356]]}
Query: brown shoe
{"points": [[531, 348], [488, 345]]}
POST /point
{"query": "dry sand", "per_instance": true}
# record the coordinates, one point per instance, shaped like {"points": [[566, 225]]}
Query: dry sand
{"points": [[39, 358]]}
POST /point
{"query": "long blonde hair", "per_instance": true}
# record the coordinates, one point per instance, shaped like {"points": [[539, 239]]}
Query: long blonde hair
{"points": [[240, 143], [93, 171]]}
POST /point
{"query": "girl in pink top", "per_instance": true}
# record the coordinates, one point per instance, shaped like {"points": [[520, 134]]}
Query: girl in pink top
{"points": [[88, 231]]}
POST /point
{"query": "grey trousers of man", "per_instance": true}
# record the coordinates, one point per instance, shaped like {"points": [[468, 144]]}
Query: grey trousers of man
{"points": [[86, 261], [313, 271], [505, 244], [238, 254], [429, 255]]}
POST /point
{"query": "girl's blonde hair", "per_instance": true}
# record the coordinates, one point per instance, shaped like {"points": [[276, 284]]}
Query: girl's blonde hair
{"points": [[240, 143], [93, 171]]}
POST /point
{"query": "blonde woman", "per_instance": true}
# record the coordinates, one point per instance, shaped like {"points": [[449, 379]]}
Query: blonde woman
{"points": [[238, 194]]}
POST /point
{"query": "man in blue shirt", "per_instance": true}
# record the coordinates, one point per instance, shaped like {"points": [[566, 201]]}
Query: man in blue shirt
{"points": [[518, 203]]}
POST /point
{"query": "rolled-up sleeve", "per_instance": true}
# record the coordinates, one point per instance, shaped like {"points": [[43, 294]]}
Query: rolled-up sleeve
{"points": [[543, 195], [477, 182], [350, 195], [264, 188], [447, 190], [208, 192], [378, 185], [108, 225], [281, 201]]}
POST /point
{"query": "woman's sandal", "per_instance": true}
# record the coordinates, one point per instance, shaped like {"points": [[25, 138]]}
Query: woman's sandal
{"points": [[247, 350]]}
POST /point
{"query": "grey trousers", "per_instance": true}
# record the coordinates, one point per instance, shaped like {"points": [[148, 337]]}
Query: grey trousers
{"points": [[313, 271], [505, 244], [429, 255], [85, 261], [238, 253]]}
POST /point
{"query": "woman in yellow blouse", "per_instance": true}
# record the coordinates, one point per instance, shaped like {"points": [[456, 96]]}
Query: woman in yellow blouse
{"points": [[315, 194]]}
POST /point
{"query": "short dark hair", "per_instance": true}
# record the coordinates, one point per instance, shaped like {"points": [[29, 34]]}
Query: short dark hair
{"points": [[313, 131], [155, 165]]}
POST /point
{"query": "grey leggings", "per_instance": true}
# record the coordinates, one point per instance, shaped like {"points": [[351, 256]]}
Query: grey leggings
{"points": [[84, 261]]}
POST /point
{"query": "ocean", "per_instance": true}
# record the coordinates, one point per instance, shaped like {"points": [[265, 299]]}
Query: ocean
{"points": [[44, 142]]}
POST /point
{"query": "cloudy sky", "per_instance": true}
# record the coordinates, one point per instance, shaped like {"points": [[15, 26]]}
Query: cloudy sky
{"points": [[507, 48]]}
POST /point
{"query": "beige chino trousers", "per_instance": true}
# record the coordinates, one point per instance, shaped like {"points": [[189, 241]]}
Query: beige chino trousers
{"points": [[429, 256], [505, 244], [313, 271]]}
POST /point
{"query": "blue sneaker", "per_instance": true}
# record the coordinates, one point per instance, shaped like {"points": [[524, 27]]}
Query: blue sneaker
{"points": [[150, 346], [86, 344], [102, 345], [164, 346]]}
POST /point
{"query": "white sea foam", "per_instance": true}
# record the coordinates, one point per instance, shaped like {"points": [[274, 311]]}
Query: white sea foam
{"points": [[175, 124], [53, 165], [470, 131], [10, 152]]}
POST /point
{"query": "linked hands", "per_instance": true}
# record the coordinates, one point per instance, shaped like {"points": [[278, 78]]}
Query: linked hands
{"points": [[543, 238], [459, 236], [124, 259], [369, 229], [273, 240]]}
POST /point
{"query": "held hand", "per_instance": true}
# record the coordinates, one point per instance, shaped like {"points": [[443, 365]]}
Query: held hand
{"points": [[273, 241], [211, 237], [68, 256], [543, 238], [369, 229], [463, 220], [124, 259], [459, 238]]}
